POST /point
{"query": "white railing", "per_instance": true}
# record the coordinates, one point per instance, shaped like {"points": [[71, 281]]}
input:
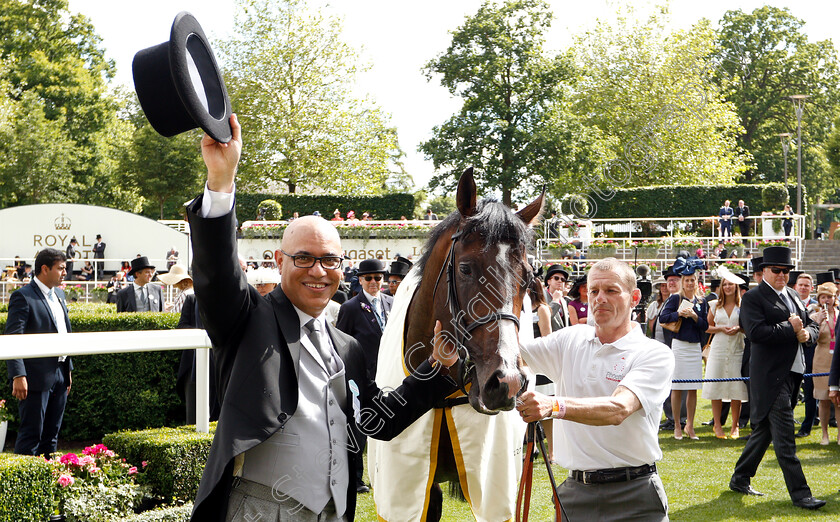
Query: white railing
{"points": [[86, 292], [27, 346], [632, 226]]}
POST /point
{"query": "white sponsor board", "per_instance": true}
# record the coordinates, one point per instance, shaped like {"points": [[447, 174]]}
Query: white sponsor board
{"points": [[27, 229], [356, 249]]}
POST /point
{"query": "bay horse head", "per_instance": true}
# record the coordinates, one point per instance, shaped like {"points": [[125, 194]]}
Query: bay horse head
{"points": [[476, 260]]}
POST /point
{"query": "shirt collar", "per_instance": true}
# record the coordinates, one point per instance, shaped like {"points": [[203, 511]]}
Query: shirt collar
{"points": [[41, 286], [304, 318], [138, 287], [778, 292], [624, 343]]}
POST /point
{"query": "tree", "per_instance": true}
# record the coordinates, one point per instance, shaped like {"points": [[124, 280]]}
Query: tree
{"points": [[652, 96], [290, 78], [766, 57], [55, 66], [163, 170], [513, 126]]}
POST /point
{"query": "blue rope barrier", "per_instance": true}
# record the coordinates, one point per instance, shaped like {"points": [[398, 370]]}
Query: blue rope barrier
{"points": [[730, 379]]}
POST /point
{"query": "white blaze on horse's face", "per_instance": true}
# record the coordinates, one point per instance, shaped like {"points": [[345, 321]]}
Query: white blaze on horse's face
{"points": [[508, 347]]}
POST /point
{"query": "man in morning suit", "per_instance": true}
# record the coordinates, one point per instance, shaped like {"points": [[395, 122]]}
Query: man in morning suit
{"points": [[140, 295], [71, 255], [742, 214], [293, 388], [98, 253], [725, 220], [40, 384], [363, 317], [777, 325]]}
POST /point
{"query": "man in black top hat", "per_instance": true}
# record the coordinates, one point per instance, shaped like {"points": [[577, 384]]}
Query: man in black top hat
{"points": [[396, 273], [140, 296], [777, 325], [71, 255], [755, 265], [363, 317], [98, 253]]}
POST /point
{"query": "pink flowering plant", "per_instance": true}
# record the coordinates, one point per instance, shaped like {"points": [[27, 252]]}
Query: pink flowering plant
{"points": [[96, 485], [5, 412]]}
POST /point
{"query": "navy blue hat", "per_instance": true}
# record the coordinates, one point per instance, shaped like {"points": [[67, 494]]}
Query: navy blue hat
{"points": [[688, 266]]}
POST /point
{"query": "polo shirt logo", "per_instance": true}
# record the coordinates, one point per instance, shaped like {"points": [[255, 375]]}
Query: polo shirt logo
{"points": [[618, 371]]}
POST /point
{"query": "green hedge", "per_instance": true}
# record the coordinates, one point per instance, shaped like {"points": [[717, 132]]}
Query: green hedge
{"points": [[117, 391], [678, 200], [25, 488], [164, 514], [388, 206], [175, 457]]}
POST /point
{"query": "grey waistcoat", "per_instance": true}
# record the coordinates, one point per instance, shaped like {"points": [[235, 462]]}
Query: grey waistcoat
{"points": [[306, 461]]}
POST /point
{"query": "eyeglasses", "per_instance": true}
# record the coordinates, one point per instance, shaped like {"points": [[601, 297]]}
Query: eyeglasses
{"points": [[779, 270], [393, 281], [307, 261], [368, 278], [557, 278]]}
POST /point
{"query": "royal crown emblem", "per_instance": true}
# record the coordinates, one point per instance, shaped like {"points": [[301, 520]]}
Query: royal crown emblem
{"points": [[62, 222]]}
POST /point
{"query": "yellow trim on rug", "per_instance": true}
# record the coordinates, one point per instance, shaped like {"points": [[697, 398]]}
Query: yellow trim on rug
{"points": [[459, 457], [433, 456]]}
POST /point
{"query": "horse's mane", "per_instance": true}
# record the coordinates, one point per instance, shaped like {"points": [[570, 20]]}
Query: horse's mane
{"points": [[493, 222]]}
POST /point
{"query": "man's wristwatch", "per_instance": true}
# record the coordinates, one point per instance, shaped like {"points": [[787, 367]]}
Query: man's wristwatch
{"points": [[444, 370]]}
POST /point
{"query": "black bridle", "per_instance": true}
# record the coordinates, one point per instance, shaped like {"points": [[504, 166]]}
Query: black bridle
{"points": [[462, 329]]}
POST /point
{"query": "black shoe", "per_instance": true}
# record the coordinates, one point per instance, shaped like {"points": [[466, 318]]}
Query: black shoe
{"points": [[801, 434], [832, 423], [746, 489], [361, 488], [809, 503], [709, 423], [667, 426], [742, 424]]}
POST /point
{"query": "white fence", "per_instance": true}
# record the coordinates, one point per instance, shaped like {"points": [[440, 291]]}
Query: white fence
{"points": [[27, 346]]}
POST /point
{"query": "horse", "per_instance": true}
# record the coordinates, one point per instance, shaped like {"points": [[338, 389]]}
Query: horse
{"points": [[472, 277]]}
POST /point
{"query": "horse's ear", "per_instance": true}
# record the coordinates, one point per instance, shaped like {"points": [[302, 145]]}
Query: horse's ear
{"points": [[532, 213], [466, 193]]}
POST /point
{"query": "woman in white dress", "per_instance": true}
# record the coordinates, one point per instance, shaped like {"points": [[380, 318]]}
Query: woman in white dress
{"points": [[726, 352]]}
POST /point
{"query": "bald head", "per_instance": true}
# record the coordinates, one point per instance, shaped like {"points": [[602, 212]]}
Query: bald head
{"points": [[306, 227]]}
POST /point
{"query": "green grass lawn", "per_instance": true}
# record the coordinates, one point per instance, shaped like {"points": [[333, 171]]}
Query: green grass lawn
{"points": [[696, 477]]}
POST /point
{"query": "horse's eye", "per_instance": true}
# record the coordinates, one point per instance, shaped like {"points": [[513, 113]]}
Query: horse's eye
{"points": [[465, 269]]}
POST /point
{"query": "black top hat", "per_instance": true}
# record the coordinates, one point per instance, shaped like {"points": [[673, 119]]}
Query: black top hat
{"points": [[399, 268], [371, 266], [556, 269], [756, 263], [776, 256], [836, 272], [794, 275], [670, 272], [825, 277], [98, 236], [746, 284], [402, 259], [166, 77], [139, 263], [714, 283]]}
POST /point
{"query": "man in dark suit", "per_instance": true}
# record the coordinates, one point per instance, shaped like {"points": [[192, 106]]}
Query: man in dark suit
{"points": [[98, 253], [363, 317], [40, 384], [742, 215], [777, 325], [725, 220], [71, 255], [293, 388], [140, 295], [555, 283], [396, 273]]}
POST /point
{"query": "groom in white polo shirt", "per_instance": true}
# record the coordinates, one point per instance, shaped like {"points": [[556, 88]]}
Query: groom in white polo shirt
{"points": [[610, 382]]}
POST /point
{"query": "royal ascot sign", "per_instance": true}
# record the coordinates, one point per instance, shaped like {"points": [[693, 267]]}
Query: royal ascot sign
{"points": [[27, 229], [355, 249]]}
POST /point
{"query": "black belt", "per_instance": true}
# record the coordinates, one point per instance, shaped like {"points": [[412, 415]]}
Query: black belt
{"points": [[603, 476]]}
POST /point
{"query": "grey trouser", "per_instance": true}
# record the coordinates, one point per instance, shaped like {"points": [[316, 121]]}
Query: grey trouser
{"points": [[638, 499], [253, 502]]}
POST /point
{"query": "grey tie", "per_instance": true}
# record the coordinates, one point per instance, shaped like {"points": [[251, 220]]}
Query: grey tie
{"points": [[145, 292], [788, 302], [377, 313], [313, 329]]}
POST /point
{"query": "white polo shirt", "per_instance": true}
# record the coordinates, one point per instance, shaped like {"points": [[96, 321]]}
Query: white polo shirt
{"points": [[582, 367]]}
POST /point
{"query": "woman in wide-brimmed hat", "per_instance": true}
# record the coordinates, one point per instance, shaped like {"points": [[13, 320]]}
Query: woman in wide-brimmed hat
{"points": [[181, 280], [726, 353], [579, 305], [826, 316]]}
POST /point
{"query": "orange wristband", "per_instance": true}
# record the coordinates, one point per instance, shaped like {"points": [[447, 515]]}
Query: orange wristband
{"points": [[558, 409]]}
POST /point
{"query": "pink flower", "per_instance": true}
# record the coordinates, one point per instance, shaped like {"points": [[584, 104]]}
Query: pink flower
{"points": [[109, 453], [145, 463], [86, 460], [95, 450], [70, 458], [132, 470], [93, 469], [65, 480]]}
